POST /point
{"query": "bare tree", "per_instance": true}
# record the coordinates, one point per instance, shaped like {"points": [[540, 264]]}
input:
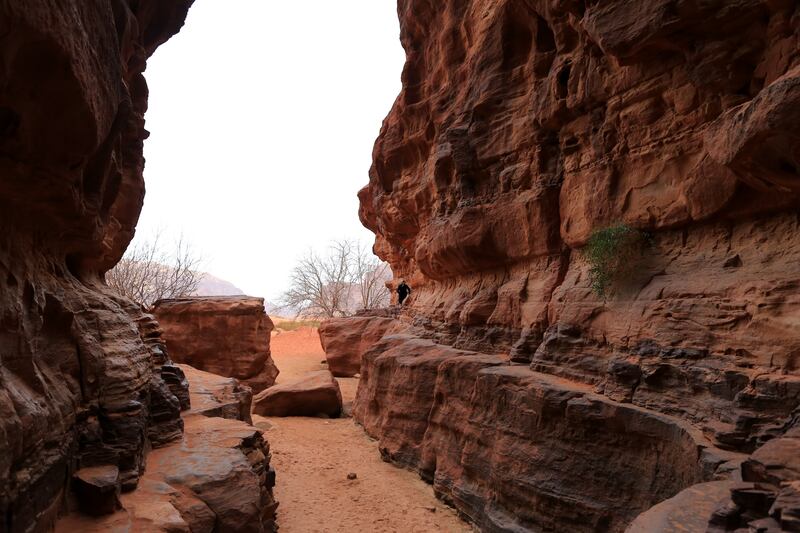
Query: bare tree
{"points": [[370, 275], [348, 277], [149, 271]]}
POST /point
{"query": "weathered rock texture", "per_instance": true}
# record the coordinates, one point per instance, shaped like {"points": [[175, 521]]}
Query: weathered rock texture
{"points": [[315, 394], [216, 478], [224, 335], [523, 126], [80, 368]]}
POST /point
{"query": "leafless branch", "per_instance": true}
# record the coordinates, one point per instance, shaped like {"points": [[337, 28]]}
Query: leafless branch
{"points": [[347, 278], [149, 271]]}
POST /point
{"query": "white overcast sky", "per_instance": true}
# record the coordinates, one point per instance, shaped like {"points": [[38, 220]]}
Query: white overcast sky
{"points": [[262, 116]]}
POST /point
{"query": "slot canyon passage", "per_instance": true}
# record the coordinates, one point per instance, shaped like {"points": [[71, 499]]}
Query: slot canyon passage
{"points": [[507, 386]]}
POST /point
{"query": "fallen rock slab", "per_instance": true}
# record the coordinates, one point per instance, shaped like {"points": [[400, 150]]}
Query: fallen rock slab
{"points": [[316, 394], [212, 395]]}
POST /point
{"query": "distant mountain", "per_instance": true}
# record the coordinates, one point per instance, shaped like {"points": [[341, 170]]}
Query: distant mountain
{"points": [[213, 286]]}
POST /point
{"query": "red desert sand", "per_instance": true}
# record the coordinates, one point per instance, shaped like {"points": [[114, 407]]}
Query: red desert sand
{"points": [[315, 458]]}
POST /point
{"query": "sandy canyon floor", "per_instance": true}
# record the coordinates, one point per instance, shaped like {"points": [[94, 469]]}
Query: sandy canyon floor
{"points": [[313, 457]]}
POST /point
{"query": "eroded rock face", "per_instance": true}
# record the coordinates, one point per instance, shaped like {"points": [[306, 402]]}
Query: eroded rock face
{"points": [[80, 372], [525, 125], [224, 335], [522, 127]]}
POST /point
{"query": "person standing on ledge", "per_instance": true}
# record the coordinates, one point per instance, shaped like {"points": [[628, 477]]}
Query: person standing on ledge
{"points": [[403, 291]]}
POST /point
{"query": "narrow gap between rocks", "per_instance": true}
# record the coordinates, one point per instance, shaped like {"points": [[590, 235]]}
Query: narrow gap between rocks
{"points": [[315, 459]]}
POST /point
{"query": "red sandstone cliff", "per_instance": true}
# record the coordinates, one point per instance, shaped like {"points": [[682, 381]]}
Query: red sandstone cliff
{"points": [[84, 379], [523, 126]]}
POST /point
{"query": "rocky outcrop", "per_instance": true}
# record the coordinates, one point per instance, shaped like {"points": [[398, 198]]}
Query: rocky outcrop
{"points": [[217, 478], [224, 335], [764, 497], [515, 449], [689, 510], [82, 379], [315, 394], [768, 498], [346, 339], [524, 126]]}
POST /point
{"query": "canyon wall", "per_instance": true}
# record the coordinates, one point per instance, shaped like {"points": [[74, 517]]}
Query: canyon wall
{"points": [[224, 335], [522, 127], [84, 379]]}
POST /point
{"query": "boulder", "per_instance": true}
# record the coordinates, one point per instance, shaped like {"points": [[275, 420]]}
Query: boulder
{"points": [[315, 394], [224, 335], [346, 339], [221, 465]]}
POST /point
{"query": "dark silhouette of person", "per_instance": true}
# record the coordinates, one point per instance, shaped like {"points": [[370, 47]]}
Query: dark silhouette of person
{"points": [[403, 291]]}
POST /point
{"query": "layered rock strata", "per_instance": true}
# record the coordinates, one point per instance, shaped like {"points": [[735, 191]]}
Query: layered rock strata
{"points": [[83, 382], [513, 449], [523, 126], [224, 335]]}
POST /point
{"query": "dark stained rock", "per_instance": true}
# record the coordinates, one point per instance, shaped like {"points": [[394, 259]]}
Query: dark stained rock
{"points": [[97, 489], [757, 497], [786, 508]]}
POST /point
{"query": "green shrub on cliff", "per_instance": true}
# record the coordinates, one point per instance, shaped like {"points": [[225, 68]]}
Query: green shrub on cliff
{"points": [[612, 254]]}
